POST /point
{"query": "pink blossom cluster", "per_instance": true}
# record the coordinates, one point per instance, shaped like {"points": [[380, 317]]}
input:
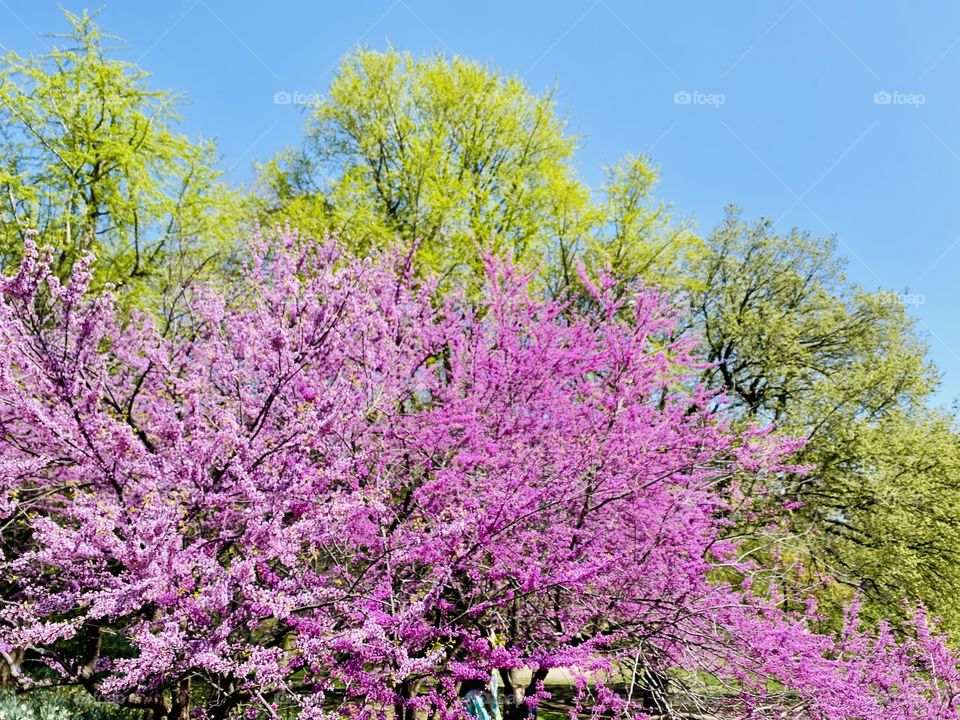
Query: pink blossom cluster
{"points": [[324, 486]]}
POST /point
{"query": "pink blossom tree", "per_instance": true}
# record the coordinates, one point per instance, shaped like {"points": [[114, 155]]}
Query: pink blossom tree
{"points": [[323, 488]]}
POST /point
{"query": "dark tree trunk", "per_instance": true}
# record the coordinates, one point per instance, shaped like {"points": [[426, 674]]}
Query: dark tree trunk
{"points": [[401, 710], [652, 688], [177, 708], [181, 703], [515, 695]]}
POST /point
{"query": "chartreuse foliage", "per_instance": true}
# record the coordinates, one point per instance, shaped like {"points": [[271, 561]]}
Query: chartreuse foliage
{"points": [[794, 342], [463, 161], [331, 493], [90, 155]]}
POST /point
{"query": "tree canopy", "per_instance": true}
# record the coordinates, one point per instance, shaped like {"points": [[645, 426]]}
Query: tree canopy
{"points": [[461, 160], [90, 156], [794, 342], [477, 418]]}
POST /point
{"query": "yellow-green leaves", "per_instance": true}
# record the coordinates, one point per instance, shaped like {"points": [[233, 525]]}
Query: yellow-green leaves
{"points": [[445, 153], [793, 341], [634, 236], [464, 161], [90, 156]]}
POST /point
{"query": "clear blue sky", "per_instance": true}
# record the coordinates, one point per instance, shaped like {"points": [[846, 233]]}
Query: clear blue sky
{"points": [[801, 134]]}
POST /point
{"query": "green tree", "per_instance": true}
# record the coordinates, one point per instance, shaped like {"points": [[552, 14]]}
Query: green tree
{"points": [[793, 341], [634, 236], [463, 161], [90, 156]]}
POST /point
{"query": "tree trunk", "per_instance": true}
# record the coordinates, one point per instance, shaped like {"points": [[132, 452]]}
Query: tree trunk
{"points": [[6, 671], [515, 706], [400, 709], [181, 705], [652, 687]]}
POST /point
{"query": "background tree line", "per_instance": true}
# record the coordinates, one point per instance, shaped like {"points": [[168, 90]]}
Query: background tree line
{"points": [[450, 160]]}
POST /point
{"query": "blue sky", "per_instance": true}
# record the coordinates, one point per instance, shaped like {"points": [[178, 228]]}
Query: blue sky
{"points": [[837, 117]]}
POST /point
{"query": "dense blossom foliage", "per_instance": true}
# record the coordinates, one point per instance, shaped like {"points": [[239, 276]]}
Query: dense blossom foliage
{"points": [[325, 488]]}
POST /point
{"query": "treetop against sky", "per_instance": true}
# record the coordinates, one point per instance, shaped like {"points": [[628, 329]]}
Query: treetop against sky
{"points": [[837, 118], [406, 436]]}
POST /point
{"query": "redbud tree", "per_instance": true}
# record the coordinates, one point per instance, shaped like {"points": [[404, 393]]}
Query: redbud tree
{"points": [[323, 490]]}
